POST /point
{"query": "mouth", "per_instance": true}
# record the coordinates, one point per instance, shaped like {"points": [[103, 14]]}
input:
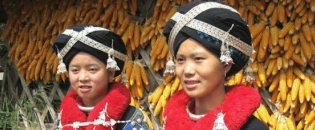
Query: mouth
{"points": [[84, 88], [191, 84]]}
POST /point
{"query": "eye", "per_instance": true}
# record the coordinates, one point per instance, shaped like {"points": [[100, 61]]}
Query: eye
{"points": [[199, 59], [74, 70], [180, 60], [93, 69]]}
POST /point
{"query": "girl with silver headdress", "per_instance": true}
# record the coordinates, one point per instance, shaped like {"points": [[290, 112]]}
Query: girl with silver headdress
{"points": [[92, 56], [209, 42]]}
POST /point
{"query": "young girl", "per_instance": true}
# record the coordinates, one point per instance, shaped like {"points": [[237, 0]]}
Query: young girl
{"points": [[96, 102], [210, 42]]}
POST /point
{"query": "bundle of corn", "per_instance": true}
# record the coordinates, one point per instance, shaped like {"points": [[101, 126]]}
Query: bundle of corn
{"points": [[31, 35], [161, 95], [30, 38], [283, 33], [137, 79]]}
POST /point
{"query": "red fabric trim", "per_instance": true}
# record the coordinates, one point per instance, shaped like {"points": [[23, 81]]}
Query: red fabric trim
{"points": [[118, 99], [239, 104]]}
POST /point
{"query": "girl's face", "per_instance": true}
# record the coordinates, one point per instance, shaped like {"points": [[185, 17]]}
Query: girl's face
{"points": [[89, 78], [201, 72]]}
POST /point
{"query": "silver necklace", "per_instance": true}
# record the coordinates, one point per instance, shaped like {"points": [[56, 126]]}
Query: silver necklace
{"points": [[192, 116], [85, 109]]}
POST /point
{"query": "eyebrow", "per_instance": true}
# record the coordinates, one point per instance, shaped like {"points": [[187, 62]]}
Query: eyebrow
{"points": [[192, 54], [88, 65]]}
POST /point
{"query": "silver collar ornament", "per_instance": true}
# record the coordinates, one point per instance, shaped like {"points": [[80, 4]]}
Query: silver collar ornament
{"points": [[219, 123]]}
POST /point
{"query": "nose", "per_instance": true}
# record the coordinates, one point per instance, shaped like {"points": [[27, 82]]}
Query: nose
{"points": [[83, 76], [189, 69]]}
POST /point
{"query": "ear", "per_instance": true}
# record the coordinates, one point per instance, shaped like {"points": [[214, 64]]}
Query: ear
{"points": [[111, 75], [227, 68]]}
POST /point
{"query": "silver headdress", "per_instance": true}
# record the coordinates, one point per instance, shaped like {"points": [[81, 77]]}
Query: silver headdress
{"points": [[81, 36], [189, 20]]}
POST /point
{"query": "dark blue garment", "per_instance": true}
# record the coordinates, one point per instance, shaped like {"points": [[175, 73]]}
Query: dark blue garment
{"points": [[254, 124], [134, 114]]}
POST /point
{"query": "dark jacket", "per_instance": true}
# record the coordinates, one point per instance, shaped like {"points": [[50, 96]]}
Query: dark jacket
{"points": [[132, 113], [254, 124]]}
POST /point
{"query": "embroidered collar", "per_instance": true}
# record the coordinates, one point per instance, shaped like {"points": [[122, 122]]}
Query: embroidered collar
{"points": [[110, 108], [239, 104]]}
